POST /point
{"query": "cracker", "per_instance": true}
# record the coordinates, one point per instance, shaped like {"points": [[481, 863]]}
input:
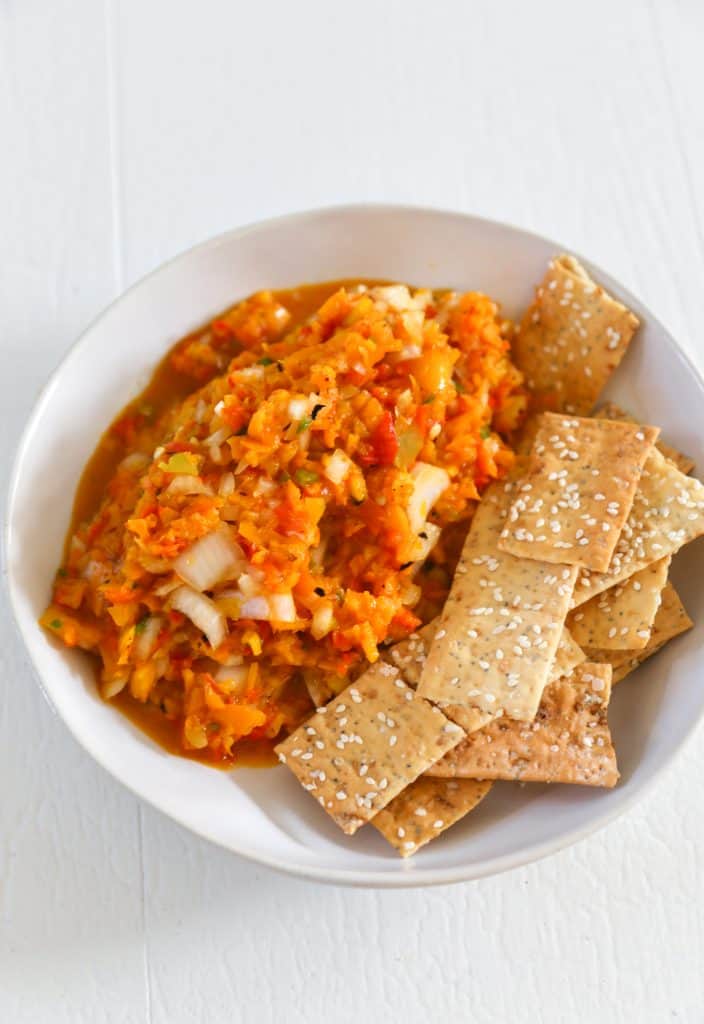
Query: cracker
{"points": [[611, 411], [667, 513], [571, 339], [621, 617], [578, 490], [427, 808], [501, 624], [569, 741], [567, 656], [357, 753], [671, 620], [409, 656]]}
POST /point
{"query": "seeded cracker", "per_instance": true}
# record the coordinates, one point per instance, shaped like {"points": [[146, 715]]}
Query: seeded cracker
{"points": [[410, 655], [567, 656], [670, 621], [611, 411], [621, 617], [427, 808], [578, 490], [357, 753], [667, 513], [571, 339], [501, 624], [569, 741]]}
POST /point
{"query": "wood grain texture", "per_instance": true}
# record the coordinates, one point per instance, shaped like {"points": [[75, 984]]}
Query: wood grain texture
{"points": [[132, 131]]}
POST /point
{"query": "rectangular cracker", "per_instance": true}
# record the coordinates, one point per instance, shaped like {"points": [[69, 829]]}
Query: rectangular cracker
{"points": [[621, 617], [427, 808], [370, 742], [569, 741], [410, 655], [567, 656], [571, 339], [667, 513], [577, 491], [611, 411], [501, 624], [671, 620]]}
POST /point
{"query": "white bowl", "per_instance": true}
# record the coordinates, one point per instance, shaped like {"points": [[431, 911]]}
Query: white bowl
{"points": [[264, 814]]}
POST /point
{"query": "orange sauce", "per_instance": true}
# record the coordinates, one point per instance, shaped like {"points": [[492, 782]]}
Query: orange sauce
{"points": [[166, 388]]}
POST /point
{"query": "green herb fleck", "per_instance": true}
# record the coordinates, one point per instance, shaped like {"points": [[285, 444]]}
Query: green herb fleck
{"points": [[141, 625], [304, 424], [213, 727], [485, 432], [304, 477], [56, 623], [459, 386], [429, 400], [61, 572], [265, 361]]}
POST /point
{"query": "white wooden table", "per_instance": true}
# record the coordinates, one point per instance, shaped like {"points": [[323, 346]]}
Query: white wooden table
{"points": [[131, 130]]}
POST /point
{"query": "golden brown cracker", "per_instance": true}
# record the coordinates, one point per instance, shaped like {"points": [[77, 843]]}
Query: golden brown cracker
{"points": [[611, 411], [567, 656], [578, 490], [425, 809], [667, 513], [370, 742], [501, 624], [571, 339], [671, 620], [569, 741], [621, 617]]}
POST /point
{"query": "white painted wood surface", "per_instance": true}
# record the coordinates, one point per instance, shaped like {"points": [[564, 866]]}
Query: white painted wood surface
{"points": [[133, 129]]}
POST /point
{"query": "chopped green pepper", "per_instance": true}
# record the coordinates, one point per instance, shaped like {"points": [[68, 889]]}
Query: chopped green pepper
{"points": [[305, 477]]}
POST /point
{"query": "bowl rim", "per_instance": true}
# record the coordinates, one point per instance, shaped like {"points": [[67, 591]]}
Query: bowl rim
{"points": [[408, 875]]}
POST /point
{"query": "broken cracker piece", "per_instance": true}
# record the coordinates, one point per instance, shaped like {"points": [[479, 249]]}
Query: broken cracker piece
{"points": [[501, 624], [621, 617], [571, 339], [370, 742], [427, 808], [569, 741], [578, 490], [667, 513], [671, 620], [611, 411]]}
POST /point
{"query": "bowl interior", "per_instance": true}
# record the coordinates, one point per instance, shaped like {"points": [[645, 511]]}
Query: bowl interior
{"points": [[265, 814]]}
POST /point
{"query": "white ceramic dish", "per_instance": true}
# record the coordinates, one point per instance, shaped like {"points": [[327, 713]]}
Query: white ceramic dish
{"points": [[264, 814]]}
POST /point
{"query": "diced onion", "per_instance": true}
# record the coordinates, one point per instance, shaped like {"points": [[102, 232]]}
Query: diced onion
{"points": [[227, 485], [183, 484], [283, 608], [250, 583], [135, 462], [212, 559], [235, 675], [425, 542], [428, 484], [218, 436], [337, 466], [144, 641], [202, 613], [396, 296], [322, 621], [255, 608], [167, 588], [297, 408]]}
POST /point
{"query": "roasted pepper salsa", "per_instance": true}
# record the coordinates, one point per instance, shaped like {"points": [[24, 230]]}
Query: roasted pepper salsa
{"points": [[286, 496]]}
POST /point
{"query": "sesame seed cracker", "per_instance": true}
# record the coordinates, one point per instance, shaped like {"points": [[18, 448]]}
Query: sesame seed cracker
{"points": [[580, 483], [567, 357], [389, 735], [569, 741]]}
